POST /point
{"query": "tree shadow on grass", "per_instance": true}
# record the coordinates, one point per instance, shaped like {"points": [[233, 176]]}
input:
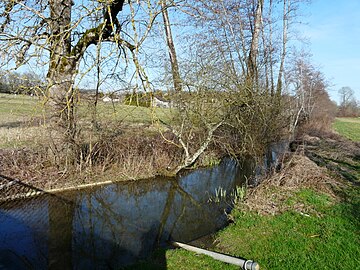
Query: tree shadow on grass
{"points": [[21, 124], [14, 124]]}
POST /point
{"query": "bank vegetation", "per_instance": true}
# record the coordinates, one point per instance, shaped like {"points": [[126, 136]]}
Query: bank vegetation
{"points": [[228, 78]]}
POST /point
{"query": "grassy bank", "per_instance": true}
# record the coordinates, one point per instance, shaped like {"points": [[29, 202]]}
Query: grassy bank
{"points": [[303, 217], [325, 236]]}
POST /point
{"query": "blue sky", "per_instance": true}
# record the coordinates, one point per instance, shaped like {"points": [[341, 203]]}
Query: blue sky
{"points": [[334, 34]]}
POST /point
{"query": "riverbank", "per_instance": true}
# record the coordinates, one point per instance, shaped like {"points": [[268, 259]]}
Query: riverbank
{"points": [[301, 217], [128, 144]]}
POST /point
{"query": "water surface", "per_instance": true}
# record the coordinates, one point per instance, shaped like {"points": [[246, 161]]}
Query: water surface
{"points": [[114, 225]]}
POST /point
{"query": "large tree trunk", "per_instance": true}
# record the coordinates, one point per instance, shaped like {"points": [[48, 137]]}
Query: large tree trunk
{"points": [[61, 112], [63, 67], [60, 78]]}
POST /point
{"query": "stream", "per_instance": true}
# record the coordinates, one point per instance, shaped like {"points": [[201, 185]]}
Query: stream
{"points": [[110, 226]]}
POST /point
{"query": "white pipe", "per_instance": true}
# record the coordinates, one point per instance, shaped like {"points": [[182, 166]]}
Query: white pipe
{"points": [[244, 264]]}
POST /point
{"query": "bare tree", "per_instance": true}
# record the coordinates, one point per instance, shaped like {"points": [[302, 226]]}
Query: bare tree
{"points": [[252, 72], [285, 19], [310, 104], [27, 83], [62, 36], [290, 9], [348, 104]]}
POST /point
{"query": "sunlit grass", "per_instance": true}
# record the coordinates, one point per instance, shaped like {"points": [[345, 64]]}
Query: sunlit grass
{"points": [[15, 107], [19, 108], [20, 120], [348, 127], [16, 137], [326, 236], [21, 117], [128, 114]]}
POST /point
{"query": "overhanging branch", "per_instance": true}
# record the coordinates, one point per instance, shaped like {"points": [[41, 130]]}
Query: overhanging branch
{"points": [[108, 30]]}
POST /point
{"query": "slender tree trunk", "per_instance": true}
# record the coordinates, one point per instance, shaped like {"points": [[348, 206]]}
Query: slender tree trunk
{"points": [[272, 88], [172, 52], [284, 42], [252, 72]]}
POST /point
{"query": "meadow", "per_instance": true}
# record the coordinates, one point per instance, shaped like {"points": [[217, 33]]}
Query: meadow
{"points": [[22, 118], [348, 127]]}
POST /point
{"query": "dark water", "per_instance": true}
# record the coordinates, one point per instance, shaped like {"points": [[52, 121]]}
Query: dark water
{"points": [[114, 225], [110, 226]]}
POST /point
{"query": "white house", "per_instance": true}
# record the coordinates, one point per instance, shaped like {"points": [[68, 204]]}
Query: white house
{"points": [[157, 102], [109, 99]]}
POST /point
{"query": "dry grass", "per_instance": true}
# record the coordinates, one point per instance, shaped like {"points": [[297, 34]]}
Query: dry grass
{"points": [[21, 136], [316, 164], [298, 172], [111, 157]]}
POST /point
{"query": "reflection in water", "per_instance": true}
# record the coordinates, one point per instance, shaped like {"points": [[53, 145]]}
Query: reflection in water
{"points": [[114, 225], [60, 234]]}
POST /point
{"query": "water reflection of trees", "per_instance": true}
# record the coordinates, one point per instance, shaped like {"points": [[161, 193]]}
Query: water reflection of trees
{"points": [[61, 215], [124, 222], [111, 226]]}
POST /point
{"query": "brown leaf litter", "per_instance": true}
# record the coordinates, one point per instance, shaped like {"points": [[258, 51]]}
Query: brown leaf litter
{"points": [[298, 172]]}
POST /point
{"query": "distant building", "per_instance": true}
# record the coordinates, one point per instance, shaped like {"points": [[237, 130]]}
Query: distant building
{"points": [[109, 99], [160, 103]]}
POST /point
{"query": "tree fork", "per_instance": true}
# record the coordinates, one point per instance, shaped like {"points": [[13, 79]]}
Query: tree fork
{"points": [[63, 67]]}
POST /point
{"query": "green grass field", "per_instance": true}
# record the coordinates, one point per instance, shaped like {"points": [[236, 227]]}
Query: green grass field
{"points": [[18, 108], [325, 239], [127, 114], [348, 127], [21, 117]]}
